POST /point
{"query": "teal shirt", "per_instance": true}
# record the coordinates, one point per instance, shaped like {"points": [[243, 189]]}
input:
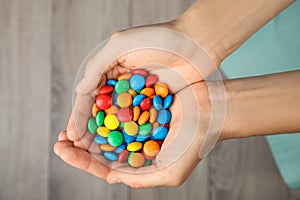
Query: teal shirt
{"points": [[274, 48]]}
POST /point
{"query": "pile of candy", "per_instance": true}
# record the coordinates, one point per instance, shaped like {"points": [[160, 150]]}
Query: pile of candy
{"points": [[131, 118]]}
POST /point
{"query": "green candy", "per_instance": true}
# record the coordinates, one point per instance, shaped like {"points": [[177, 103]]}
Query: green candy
{"points": [[148, 162], [145, 129], [138, 91], [121, 124], [115, 138], [122, 86], [100, 118], [92, 126]]}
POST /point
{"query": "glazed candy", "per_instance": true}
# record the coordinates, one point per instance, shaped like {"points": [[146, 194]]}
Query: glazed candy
{"points": [[131, 118]]}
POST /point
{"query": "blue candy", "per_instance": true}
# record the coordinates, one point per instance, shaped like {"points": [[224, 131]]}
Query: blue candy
{"points": [[168, 101], [115, 98], [110, 156], [141, 138], [111, 82], [157, 102], [138, 99], [120, 148], [159, 133], [164, 117], [128, 138], [137, 82], [100, 140]]}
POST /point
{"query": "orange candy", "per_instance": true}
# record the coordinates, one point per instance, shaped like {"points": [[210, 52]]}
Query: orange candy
{"points": [[113, 110], [107, 147], [148, 92], [125, 76], [151, 148], [95, 109], [153, 115], [144, 118], [155, 125], [136, 113], [161, 90], [136, 160], [124, 99]]}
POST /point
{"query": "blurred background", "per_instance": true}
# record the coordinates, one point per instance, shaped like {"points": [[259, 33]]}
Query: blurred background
{"points": [[42, 44]]}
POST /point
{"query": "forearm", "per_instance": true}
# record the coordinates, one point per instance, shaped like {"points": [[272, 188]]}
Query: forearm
{"points": [[262, 105], [221, 26]]}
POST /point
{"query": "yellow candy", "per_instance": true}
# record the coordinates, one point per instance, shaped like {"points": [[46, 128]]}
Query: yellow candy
{"points": [[112, 110], [144, 118], [125, 76], [103, 131], [148, 92], [107, 147], [136, 113], [131, 128], [95, 109], [111, 122], [132, 92], [161, 90], [134, 146], [124, 99], [153, 115]]}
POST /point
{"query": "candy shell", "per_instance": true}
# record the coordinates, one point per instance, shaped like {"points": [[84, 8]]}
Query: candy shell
{"points": [[136, 113], [140, 72], [137, 82], [100, 140], [111, 122], [157, 102], [121, 125], [113, 110], [136, 160], [103, 101], [107, 147], [159, 133], [148, 162], [115, 98], [124, 99], [128, 138], [132, 92], [146, 104], [110, 156], [100, 118], [147, 91], [131, 128], [95, 109], [151, 80], [151, 148], [120, 148], [143, 117], [164, 116], [106, 89], [161, 90], [123, 156], [149, 157], [122, 86], [111, 82], [166, 125], [103, 131], [115, 138], [134, 146], [168, 101], [125, 114], [155, 125], [92, 126], [153, 115], [125, 76], [145, 129], [141, 138], [138, 99]]}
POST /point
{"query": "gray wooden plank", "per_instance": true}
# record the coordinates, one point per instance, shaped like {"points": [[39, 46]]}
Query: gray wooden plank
{"points": [[25, 94], [78, 26], [245, 169]]}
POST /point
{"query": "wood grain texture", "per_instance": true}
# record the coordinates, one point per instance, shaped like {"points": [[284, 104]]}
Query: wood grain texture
{"points": [[25, 98], [78, 26]]}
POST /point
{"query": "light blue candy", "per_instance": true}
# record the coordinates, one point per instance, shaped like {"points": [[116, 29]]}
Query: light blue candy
{"points": [[110, 156], [111, 82], [168, 101], [157, 102], [137, 82], [128, 138], [138, 99], [100, 140], [120, 148], [164, 116], [159, 133], [141, 138]]}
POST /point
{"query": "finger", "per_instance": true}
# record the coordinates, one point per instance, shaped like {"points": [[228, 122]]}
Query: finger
{"points": [[80, 159]]}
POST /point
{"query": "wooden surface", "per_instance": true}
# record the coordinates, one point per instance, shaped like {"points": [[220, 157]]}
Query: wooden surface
{"points": [[42, 43]]}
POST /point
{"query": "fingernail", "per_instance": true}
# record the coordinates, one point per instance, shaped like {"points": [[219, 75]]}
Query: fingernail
{"points": [[114, 180], [80, 85]]}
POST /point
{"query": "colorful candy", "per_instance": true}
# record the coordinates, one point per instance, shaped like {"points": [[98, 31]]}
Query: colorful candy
{"points": [[131, 118]]}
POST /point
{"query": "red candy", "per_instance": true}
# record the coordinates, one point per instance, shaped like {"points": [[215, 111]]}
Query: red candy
{"points": [[151, 80], [103, 101], [166, 125], [140, 72], [146, 104], [125, 114], [123, 156], [106, 89]]}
